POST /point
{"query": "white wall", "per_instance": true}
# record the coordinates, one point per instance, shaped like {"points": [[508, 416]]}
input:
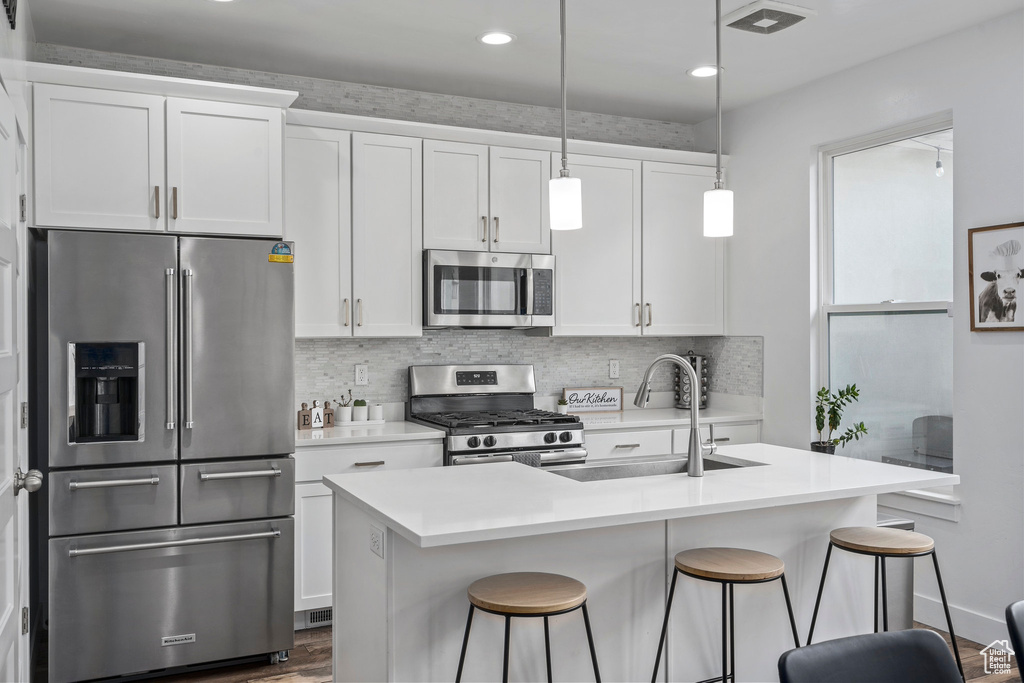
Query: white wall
{"points": [[978, 74]]}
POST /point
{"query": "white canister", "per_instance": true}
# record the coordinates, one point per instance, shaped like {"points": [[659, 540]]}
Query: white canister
{"points": [[342, 414], [359, 413], [377, 411]]}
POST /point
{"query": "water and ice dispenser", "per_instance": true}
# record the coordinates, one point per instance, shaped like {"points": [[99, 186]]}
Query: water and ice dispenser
{"points": [[106, 391]]}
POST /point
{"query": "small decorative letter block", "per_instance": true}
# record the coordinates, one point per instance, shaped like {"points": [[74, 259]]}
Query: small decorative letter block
{"points": [[328, 415], [305, 418], [317, 415]]}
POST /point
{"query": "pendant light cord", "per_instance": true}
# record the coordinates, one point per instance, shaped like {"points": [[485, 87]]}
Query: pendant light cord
{"points": [[718, 92], [565, 160]]}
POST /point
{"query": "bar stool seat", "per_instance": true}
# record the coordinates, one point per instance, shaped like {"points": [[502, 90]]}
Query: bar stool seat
{"points": [[735, 565], [881, 540], [527, 593]]}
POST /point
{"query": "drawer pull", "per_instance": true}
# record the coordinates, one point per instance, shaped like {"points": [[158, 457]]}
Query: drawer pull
{"points": [[111, 483], [249, 474], [627, 445], [721, 439], [75, 552], [372, 463]]}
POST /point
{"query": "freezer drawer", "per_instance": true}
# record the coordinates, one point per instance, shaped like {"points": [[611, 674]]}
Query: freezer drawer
{"points": [[143, 600], [113, 499], [236, 490]]}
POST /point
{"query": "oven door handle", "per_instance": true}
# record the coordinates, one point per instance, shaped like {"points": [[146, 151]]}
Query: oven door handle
{"points": [[562, 457], [529, 291], [481, 459]]}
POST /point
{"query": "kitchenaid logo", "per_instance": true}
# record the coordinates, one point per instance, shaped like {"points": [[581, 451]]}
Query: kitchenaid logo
{"points": [[178, 640]]}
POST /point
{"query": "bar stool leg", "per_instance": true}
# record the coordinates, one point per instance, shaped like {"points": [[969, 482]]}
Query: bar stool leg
{"points": [[664, 625], [885, 599], [504, 671], [821, 587], [789, 608], [465, 642], [547, 647], [725, 627], [590, 641], [732, 635], [949, 620], [876, 594]]}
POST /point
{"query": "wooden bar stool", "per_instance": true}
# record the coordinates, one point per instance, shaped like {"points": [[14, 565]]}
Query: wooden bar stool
{"points": [[527, 594], [727, 566], [880, 543]]}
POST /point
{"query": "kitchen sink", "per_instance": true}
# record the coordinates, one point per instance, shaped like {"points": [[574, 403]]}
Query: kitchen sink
{"points": [[629, 468]]}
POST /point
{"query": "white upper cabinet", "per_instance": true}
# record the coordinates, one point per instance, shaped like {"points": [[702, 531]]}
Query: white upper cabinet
{"points": [[481, 198], [120, 160], [683, 271], [597, 269], [99, 158], [224, 167], [318, 218], [387, 235]]}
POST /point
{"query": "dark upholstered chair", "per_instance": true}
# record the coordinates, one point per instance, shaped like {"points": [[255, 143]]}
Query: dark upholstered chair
{"points": [[912, 656], [1015, 625]]}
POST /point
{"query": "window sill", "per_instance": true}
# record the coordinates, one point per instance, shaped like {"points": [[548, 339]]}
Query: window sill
{"points": [[941, 502]]}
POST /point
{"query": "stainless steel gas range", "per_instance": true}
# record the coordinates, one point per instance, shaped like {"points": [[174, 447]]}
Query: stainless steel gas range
{"points": [[488, 414]]}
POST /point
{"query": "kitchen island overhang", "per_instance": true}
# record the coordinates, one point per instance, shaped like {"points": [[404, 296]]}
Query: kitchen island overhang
{"points": [[400, 616]]}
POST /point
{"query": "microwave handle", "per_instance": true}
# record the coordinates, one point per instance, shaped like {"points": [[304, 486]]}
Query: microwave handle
{"points": [[529, 291]]}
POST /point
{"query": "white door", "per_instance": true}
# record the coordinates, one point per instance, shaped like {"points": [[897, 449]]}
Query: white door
{"points": [[519, 200], [597, 269], [683, 271], [455, 214], [318, 218], [387, 235], [13, 453], [224, 168], [99, 158]]}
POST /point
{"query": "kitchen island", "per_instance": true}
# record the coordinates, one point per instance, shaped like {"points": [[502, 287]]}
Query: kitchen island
{"points": [[407, 544]]}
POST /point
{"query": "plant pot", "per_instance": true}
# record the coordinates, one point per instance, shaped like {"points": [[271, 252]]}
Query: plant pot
{"points": [[359, 413], [564, 410], [376, 411], [342, 414], [823, 447]]}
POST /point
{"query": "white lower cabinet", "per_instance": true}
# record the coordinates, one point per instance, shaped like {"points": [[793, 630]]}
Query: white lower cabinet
{"points": [[728, 434], [313, 510], [628, 444]]}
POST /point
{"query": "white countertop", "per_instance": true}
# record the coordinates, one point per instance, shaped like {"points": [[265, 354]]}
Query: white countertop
{"points": [[398, 430], [662, 417], [449, 505]]}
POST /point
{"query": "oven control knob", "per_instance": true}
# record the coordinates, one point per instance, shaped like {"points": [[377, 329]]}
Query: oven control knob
{"points": [[489, 441], [473, 441], [550, 437], [565, 437]]}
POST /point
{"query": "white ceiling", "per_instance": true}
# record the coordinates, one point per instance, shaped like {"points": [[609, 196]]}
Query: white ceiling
{"points": [[625, 57]]}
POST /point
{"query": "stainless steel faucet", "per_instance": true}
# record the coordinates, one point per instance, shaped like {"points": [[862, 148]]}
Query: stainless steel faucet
{"points": [[696, 450]]}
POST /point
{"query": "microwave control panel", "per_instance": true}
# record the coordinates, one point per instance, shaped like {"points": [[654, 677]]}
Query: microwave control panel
{"points": [[543, 292]]}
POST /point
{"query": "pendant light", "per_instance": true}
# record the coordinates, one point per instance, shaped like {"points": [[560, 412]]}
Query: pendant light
{"points": [[565, 194], [718, 202], [939, 171]]}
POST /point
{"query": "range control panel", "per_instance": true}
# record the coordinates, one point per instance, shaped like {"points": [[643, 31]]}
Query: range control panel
{"points": [[482, 378]]}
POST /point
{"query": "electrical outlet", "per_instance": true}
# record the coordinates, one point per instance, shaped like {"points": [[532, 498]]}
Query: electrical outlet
{"points": [[362, 375], [377, 541], [613, 369]]}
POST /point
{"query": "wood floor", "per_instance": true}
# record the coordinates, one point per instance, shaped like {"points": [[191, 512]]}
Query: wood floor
{"points": [[310, 662]]}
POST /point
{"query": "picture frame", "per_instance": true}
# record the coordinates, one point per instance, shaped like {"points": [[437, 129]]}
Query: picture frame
{"points": [[593, 399], [995, 259]]}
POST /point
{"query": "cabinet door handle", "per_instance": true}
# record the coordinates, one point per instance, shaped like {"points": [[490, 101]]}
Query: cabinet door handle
{"points": [[156, 190], [483, 220], [372, 463], [346, 312], [496, 227], [639, 317], [650, 315], [722, 439], [627, 445], [359, 311], [174, 203]]}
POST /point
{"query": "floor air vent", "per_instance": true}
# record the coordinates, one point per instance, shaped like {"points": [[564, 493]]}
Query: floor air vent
{"points": [[766, 16], [319, 617]]}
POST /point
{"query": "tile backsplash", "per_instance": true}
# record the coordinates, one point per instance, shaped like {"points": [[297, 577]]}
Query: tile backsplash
{"points": [[324, 368]]}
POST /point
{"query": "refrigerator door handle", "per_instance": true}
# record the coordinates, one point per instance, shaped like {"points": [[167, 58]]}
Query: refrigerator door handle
{"points": [[103, 550], [112, 483], [188, 348], [248, 474], [171, 351]]}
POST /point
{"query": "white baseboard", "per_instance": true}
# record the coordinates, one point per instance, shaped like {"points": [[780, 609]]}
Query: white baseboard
{"points": [[980, 628]]}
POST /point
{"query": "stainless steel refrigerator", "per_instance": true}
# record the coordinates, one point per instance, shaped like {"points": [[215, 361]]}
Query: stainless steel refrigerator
{"points": [[164, 399]]}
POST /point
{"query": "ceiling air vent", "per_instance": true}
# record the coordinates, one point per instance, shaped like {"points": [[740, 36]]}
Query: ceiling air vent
{"points": [[766, 16]]}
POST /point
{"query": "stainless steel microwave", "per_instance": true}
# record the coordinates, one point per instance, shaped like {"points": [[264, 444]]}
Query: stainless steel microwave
{"points": [[480, 289]]}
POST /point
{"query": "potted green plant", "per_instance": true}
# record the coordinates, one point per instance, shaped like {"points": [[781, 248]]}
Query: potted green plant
{"points": [[359, 410], [343, 412], [563, 406], [829, 410]]}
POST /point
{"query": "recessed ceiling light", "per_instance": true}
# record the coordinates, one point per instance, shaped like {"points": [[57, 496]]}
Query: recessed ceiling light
{"points": [[496, 38], [703, 71]]}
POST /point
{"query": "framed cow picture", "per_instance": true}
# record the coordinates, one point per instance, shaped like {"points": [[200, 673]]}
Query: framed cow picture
{"points": [[995, 257]]}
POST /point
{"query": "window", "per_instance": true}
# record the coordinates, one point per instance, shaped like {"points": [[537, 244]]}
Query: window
{"points": [[887, 285]]}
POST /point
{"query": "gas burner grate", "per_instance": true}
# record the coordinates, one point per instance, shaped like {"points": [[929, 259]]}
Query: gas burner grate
{"points": [[497, 418]]}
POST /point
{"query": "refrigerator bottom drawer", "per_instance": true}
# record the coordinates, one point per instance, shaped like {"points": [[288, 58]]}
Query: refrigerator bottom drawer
{"points": [[137, 601]]}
